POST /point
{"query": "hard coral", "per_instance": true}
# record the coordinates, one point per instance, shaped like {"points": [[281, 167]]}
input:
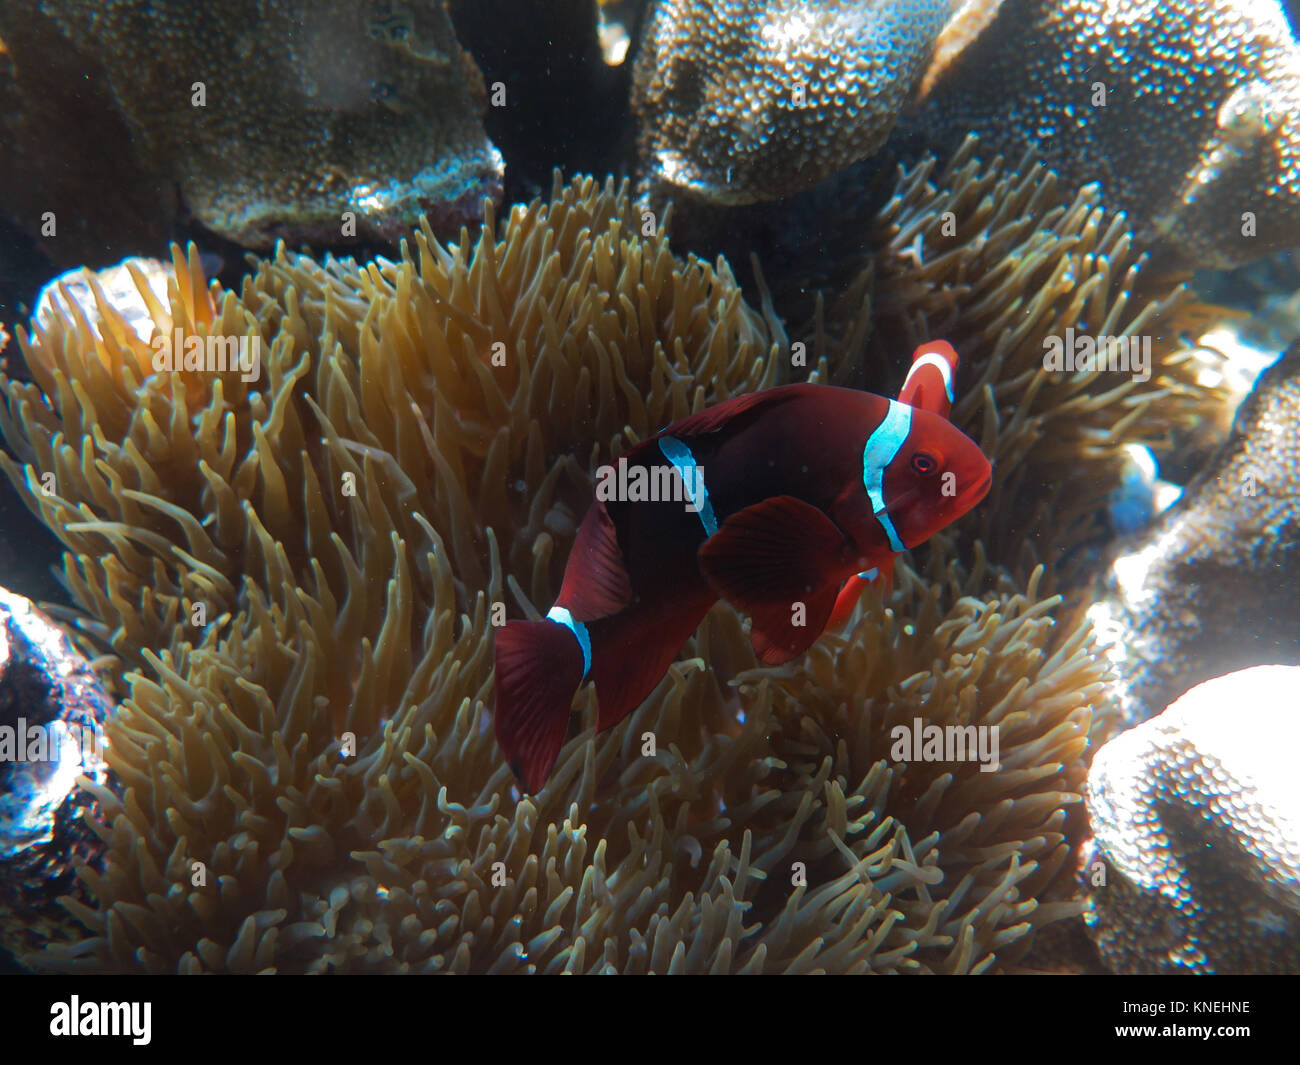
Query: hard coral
{"points": [[1209, 588], [52, 712], [745, 100], [55, 106], [274, 120], [316, 736], [1187, 113], [1195, 860]]}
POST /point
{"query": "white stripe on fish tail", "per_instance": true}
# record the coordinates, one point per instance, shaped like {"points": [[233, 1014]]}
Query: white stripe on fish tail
{"points": [[561, 616], [882, 448]]}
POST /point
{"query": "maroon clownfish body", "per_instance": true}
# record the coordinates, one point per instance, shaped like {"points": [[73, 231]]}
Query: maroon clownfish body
{"points": [[780, 502]]}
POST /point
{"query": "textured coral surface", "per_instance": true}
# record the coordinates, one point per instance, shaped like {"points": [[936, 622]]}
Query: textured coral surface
{"points": [[1186, 112], [744, 100], [1195, 860], [271, 120]]}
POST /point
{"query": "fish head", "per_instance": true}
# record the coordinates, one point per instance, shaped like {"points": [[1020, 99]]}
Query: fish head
{"points": [[938, 474]]}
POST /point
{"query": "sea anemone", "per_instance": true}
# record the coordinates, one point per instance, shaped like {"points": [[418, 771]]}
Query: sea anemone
{"points": [[468, 378], [300, 573]]}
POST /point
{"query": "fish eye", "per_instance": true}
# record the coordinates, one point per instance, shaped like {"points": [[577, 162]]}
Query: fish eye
{"points": [[924, 463]]}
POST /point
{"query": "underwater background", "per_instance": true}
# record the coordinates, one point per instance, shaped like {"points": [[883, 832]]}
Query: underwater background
{"points": [[478, 250]]}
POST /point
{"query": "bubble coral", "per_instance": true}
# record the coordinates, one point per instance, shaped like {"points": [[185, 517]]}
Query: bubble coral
{"points": [[319, 741]]}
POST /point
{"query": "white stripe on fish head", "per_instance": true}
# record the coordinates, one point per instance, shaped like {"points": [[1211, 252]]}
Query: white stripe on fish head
{"points": [[881, 449]]}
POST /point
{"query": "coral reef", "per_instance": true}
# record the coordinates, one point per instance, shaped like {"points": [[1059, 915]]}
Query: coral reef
{"points": [[52, 711], [296, 504], [1187, 113], [1194, 863], [301, 571], [745, 100], [271, 120], [1209, 587]]}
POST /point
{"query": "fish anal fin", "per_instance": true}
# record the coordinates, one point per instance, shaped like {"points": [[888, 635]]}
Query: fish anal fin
{"points": [[631, 652], [782, 562], [539, 667]]}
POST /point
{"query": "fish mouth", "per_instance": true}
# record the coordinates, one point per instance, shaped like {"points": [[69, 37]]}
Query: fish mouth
{"points": [[974, 495]]}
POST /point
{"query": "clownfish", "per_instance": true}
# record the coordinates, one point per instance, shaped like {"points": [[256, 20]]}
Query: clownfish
{"points": [[783, 503]]}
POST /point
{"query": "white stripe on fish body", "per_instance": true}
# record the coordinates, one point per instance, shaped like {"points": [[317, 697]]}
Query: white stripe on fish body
{"points": [[692, 475], [939, 363], [882, 448], [561, 616]]}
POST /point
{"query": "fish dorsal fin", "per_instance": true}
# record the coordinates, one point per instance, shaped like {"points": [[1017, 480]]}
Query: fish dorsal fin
{"points": [[711, 419], [599, 586], [768, 559], [930, 381]]}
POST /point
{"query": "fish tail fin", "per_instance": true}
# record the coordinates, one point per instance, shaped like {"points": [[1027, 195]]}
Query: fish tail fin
{"points": [[539, 666]]}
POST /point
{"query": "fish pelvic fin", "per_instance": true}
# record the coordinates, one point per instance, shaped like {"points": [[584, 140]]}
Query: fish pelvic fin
{"points": [[881, 575]]}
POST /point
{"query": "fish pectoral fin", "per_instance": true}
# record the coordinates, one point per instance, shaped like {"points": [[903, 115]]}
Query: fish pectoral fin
{"points": [[780, 561]]}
